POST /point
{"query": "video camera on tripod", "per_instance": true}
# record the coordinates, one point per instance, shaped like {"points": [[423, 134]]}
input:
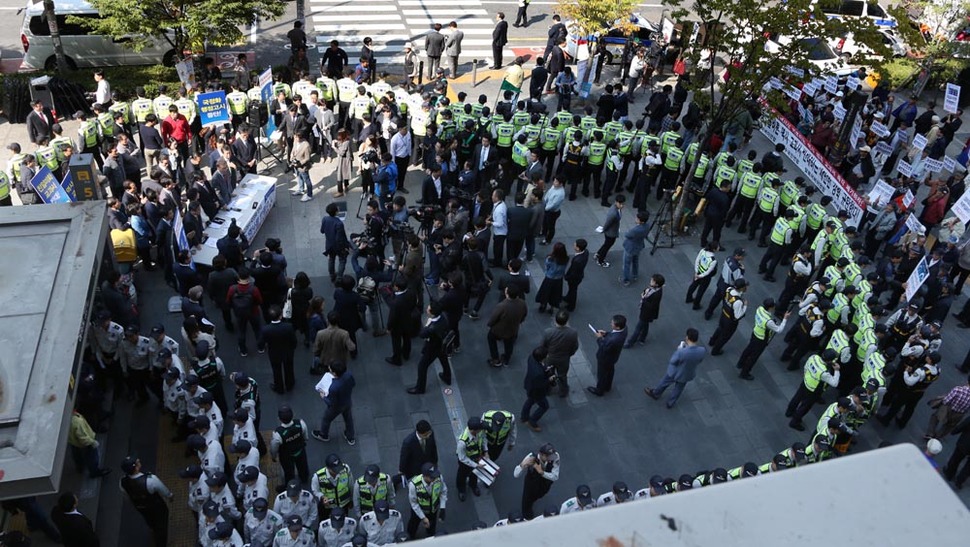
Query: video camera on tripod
{"points": [[424, 213]]}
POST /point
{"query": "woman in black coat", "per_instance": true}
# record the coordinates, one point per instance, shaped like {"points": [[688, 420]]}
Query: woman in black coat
{"points": [[649, 310], [300, 296], [349, 307]]}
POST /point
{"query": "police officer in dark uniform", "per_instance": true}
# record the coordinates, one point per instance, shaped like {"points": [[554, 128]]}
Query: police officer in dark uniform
{"points": [[541, 469], [247, 397], [210, 377], [148, 494], [732, 270], [289, 445]]}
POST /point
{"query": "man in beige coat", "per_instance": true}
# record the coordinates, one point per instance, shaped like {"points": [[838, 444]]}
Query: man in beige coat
{"points": [[331, 344], [300, 161]]}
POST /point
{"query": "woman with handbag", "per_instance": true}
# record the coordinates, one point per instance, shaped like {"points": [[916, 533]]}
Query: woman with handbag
{"points": [[550, 292]]}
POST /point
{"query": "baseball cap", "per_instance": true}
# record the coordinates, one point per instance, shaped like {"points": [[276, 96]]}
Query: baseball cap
{"points": [[164, 353], [294, 522], [240, 415], [333, 461], [360, 540], [195, 441], [217, 479], [293, 489], [191, 379], [685, 482], [191, 472], [372, 473], [128, 464], [584, 495], [657, 483], [798, 450], [210, 509], [430, 470], [498, 420], [719, 475], [200, 422], [382, 509], [250, 473], [739, 251], [158, 328], [241, 446], [550, 511], [132, 329], [240, 379], [204, 398], [474, 423], [620, 490], [515, 516], [173, 374], [547, 449], [260, 507], [750, 469], [222, 530], [337, 515]]}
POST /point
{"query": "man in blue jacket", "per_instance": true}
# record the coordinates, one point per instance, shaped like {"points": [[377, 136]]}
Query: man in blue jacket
{"points": [[338, 399], [681, 368], [634, 242], [607, 354], [338, 246]]}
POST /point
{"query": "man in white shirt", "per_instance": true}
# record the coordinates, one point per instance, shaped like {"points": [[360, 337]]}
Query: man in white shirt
{"points": [[103, 94], [541, 469], [498, 221], [401, 150]]}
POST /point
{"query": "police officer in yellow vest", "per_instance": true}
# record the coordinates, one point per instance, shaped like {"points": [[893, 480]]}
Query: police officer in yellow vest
{"points": [[798, 277], [766, 212], [371, 487], [59, 143], [613, 166], [597, 156], [88, 137], [916, 379], [162, 102], [808, 332], [781, 236], [733, 308], [47, 157], [472, 447], [346, 91], [749, 184], [503, 132], [573, 164], [5, 199], [765, 328], [816, 376], [550, 140], [520, 160], [670, 172], [332, 484], [501, 431], [238, 102], [428, 497]]}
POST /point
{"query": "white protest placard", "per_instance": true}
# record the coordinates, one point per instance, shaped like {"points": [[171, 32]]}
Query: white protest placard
{"points": [[880, 195], [839, 111], [912, 224], [949, 164], [879, 129], [951, 102], [908, 200], [810, 89], [904, 168], [916, 279], [793, 92], [775, 83], [796, 71], [919, 142], [883, 148], [831, 84], [852, 83], [323, 386], [933, 166], [962, 208]]}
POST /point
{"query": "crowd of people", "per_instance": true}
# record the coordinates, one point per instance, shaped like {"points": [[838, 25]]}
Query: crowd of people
{"points": [[850, 328]]}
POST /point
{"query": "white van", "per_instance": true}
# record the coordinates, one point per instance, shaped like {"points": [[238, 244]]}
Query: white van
{"points": [[860, 8], [82, 48]]}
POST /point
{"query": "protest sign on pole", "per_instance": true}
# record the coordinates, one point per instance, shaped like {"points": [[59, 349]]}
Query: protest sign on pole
{"points": [[962, 208], [68, 185], [916, 279], [48, 188], [951, 101], [880, 195], [213, 108], [266, 94]]}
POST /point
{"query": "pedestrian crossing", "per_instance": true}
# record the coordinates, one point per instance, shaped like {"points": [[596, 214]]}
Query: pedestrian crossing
{"points": [[393, 23]]}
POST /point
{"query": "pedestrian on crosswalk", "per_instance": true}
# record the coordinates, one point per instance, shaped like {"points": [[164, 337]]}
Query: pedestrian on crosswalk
{"points": [[453, 47], [522, 16], [434, 46], [334, 60], [500, 37]]}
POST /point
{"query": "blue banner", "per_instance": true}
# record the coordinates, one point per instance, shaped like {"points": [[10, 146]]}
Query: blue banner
{"points": [[48, 188], [266, 94], [180, 238], [68, 185], [213, 108]]}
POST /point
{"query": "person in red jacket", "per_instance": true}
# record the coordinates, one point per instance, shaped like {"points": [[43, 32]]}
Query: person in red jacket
{"points": [[176, 127], [246, 302]]}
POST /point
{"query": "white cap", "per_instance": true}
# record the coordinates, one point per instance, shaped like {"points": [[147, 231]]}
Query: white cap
{"points": [[934, 447]]}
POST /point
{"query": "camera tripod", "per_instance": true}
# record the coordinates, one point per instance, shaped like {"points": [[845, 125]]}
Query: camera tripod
{"points": [[662, 224]]}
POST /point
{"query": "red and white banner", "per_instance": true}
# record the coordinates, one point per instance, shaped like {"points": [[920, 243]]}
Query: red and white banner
{"points": [[817, 169]]}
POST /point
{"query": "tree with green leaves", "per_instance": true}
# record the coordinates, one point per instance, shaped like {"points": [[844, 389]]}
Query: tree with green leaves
{"points": [[932, 38], [586, 18], [747, 50], [188, 25]]}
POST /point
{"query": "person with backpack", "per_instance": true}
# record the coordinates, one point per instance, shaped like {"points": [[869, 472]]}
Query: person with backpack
{"points": [[246, 303]]}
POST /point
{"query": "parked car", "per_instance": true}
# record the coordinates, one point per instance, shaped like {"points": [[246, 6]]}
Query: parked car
{"points": [[820, 54], [848, 48], [81, 47], [861, 8]]}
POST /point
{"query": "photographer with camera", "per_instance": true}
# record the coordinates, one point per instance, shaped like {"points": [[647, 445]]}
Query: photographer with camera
{"points": [[368, 155], [434, 246]]}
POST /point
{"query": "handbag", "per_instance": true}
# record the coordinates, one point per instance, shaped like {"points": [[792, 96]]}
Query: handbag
{"points": [[680, 67], [288, 305]]}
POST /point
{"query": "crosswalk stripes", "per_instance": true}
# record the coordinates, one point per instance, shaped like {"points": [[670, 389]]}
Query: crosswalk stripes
{"points": [[391, 26]]}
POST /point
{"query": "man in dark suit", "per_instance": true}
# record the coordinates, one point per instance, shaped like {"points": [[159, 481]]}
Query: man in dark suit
{"points": [[39, 123], [504, 325], [193, 225], [244, 149], [223, 182], [432, 190], [556, 60], [76, 529], [556, 34], [718, 203], [575, 273], [649, 309], [434, 331], [400, 309], [537, 83], [500, 37], [417, 449], [485, 160], [434, 46], [607, 354], [207, 196], [294, 123], [279, 339], [519, 220], [514, 278]]}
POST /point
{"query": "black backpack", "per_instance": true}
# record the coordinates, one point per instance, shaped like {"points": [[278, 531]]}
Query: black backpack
{"points": [[243, 302]]}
